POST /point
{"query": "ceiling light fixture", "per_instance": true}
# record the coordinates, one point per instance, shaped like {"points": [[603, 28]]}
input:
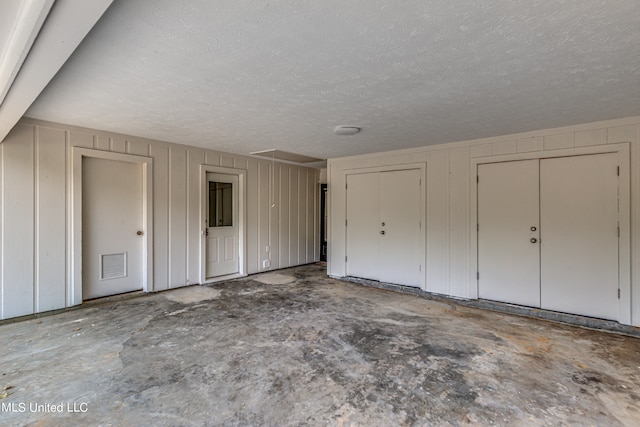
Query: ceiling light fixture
{"points": [[346, 130]]}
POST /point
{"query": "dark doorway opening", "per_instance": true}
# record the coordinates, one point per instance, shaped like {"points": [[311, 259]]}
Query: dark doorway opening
{"points": [[323, 222]]}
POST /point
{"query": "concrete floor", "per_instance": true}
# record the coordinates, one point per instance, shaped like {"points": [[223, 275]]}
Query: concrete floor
{"points": [[295, 347]]}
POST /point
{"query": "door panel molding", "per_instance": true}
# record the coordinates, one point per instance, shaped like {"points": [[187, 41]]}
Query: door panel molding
{"points": [[74, 284], [624, 200], [242, 226]]}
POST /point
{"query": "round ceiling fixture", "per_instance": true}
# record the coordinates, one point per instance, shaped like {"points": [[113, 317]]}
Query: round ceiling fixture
{"points": [[346, 130]]}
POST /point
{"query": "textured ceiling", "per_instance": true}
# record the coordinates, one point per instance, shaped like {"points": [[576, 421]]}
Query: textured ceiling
{"points": [[248, 75]]}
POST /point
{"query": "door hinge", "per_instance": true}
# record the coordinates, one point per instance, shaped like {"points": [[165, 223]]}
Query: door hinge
{"points": [[420, 267], [345, 222], [618, 170], [478, 275], [477, 227], [618, 231], [419, 224], [345, 258], [477, 178], [346, 185], [618, 293]]}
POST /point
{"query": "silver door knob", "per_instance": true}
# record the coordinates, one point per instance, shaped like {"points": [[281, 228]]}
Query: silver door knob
{"points": [[139, 233], [533, 240], [382, 232]]}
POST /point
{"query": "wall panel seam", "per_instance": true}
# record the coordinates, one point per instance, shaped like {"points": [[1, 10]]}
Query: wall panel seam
{"points": [[67, 215], [279, 216], [36, 217], [290, 209], [271, 197], [259, 210], [187, 216], [306, 216], [298, 221], [169, 216]]}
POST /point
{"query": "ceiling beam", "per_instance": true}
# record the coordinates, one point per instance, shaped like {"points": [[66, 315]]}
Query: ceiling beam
{"points": [[21, 21], [44, 45]]}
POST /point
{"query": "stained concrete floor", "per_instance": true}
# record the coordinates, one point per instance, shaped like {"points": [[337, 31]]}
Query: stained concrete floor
{"points": [[295, 347]]}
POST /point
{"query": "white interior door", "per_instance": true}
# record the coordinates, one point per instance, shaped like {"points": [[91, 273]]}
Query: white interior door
{"points": [[384, 226], [363, 205], [112, 233], [508, 232], [579, 213], [400, 222], [222, 228]]}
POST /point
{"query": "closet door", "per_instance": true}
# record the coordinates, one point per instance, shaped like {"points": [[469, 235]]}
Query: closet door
{"points": [[579, 250], [384, 230], [363, 204], [400, 227], [508, 232]]}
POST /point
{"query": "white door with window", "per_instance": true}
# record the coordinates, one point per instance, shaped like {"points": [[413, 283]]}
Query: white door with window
{"points": [[222, 228], [112, 233], [384, 226], [548, 234]]}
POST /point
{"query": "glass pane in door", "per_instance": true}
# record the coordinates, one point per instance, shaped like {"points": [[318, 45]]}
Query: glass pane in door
{"points": [[220, 204]]}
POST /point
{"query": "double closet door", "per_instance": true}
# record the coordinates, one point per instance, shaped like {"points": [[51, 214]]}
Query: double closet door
{"points": [[384, 226], [548, 234]]}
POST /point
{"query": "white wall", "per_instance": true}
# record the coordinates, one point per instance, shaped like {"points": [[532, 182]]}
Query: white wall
{"points": [[35, 206], [450, 235]]}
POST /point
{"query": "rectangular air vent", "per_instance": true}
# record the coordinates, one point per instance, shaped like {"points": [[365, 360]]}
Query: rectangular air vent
{"points": [[114, 266], [286, 156]]}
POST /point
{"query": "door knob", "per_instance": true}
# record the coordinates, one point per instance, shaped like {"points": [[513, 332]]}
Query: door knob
{"points": [[533, 240], [533, 228], [139, 233], [382, 232]]}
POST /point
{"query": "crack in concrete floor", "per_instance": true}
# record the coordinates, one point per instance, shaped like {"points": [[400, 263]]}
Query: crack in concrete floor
{"points": [[313, 351]]}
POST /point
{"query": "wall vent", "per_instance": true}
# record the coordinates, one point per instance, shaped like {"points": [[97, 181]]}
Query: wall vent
{"points": [[286, 156], [113, 266]]}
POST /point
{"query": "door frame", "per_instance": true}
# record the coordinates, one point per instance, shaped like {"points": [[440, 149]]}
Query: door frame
{"points": [[242, 235], [74, 285], [624, 211], [423, 203]]}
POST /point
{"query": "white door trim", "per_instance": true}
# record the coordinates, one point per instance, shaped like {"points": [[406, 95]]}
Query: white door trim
{"points": [[74, 285], [242, 207], [424, 236], [624, 201]]}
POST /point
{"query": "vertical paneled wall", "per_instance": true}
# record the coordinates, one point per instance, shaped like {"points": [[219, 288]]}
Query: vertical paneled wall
{"points": [[286, 215], [35, 163], [20, 240], [449, 204]]}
